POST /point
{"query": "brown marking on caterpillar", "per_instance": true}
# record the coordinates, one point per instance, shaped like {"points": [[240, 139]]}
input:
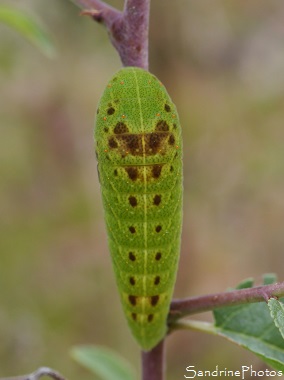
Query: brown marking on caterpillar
{"points": [[162, 125], [154, 300], [112, 143], [120, 128], [133, 201], [132, 172], [158, 228], [172, 139], [132, 300], [140, 144], [158, 256], [156, 171], [132, 143], [132, 229], [131, 256], [157, 280], [110, 111], [157, 200], [154, 141]]}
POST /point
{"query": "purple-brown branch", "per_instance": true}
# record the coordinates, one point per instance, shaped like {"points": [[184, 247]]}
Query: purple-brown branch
{"points": [[153, 363], [128, 30], [181, 308]]}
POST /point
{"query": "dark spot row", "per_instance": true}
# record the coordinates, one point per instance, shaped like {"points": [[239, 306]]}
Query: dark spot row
{"points": [[133, 200], [141, 143], [111, 109], [133, 174], [133, 142], [133, 229], [132, 256], [153, 299], [133, 281]]}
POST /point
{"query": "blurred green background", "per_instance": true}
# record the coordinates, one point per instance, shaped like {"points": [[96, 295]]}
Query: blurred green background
{"points": [[223, 64]]}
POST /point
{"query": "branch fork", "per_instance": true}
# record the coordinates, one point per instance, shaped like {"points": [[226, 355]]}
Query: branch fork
{"points": [[128, 30]]}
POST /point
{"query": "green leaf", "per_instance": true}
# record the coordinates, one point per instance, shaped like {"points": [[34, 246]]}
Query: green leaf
{"points": [[269, 278], [247, 283], [277, 313], [103, 362], [251, 326], [29, 28]]}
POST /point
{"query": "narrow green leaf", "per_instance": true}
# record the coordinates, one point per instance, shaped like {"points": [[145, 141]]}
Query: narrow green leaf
{"points": [[103, 362], [251, 326], [29, 28], [277, 313]]}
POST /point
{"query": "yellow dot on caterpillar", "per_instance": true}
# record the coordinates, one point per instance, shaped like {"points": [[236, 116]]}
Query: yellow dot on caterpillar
{"points": [[122, 82], [173, 116], [123, 116], [177, 146], [105, 150], [158, 114], [109, 85], [104, 118]]}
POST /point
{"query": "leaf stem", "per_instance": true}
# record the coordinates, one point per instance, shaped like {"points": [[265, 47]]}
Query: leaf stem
{"points": [[182, 307], [206, 327]]}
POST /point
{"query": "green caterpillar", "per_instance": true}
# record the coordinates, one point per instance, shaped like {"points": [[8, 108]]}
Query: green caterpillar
{"points": [[139, 152]]}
